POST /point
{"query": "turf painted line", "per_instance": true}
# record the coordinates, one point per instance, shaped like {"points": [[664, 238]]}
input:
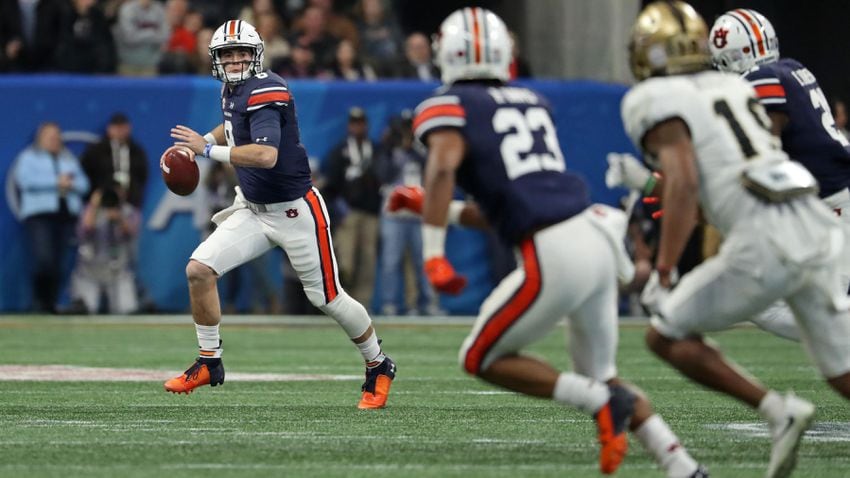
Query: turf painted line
{"points": [[69, 373], [17, 320], [819, 432]]}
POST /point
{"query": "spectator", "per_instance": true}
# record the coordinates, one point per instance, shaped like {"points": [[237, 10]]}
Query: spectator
{"points": [[351, 176], [202, 51], [301, 64], [277, 49], [338, 26], [52, 184], [29, 32], [348, 66], [85, 42], [180, 48], [251, 13], [311, 32], [117, 158], [417, 62], [110, 9], [141, 33], [107, 233], [175, 12], [180, 52], [380, 35], [519, 67], [401, 161]]}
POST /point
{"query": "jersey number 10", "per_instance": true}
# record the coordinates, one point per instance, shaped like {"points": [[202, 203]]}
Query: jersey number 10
{"points": [[517, 144]]}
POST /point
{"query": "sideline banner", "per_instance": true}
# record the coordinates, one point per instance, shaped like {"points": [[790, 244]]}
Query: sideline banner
{"points": [[587, 115]]}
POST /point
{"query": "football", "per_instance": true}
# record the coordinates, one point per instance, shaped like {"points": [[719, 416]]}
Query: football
{"points": [[179, 170]]}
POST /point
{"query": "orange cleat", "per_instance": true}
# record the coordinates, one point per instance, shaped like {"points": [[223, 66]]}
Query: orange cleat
{"points": [[611, 422], [376, 388], [205, 371]]}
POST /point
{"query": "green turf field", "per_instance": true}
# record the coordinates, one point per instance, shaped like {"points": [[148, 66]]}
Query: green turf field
{"points": [[438, 422]]}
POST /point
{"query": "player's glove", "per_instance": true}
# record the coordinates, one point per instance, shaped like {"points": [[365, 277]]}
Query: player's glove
{"points": [[624, 170], [406, 197], [654, 294], [443, 276]]}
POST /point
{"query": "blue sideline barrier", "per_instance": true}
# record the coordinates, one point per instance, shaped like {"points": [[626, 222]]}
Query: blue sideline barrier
{"points": [[586, 113]]}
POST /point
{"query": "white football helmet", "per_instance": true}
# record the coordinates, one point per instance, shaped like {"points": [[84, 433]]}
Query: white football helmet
{"points": [[473, 43], [741, 39], [233, 34]]}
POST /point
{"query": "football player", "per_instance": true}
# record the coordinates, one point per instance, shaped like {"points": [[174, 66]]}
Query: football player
{"points": [[276, 205], [743, 41], [499, 144], [709, 136]]}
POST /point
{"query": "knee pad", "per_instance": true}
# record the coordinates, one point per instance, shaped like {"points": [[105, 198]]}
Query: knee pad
{"points": [[349, 314]]}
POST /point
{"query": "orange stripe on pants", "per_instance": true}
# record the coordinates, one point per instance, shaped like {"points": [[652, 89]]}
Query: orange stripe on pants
{"points": [[507, 315], [323, 237]]}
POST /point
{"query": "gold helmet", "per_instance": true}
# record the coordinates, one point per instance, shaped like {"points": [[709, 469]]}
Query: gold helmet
{"points": [[668, 38]]}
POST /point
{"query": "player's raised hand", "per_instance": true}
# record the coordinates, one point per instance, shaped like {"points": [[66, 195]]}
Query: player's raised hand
{"points": [[406, 197], [188, 138], [443, 276], [625, 170]]}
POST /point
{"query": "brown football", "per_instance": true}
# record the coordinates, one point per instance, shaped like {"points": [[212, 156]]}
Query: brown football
{"points": [[179, 170]]}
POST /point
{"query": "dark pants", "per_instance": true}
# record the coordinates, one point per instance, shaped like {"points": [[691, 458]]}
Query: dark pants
{"points": [[49, 236]]}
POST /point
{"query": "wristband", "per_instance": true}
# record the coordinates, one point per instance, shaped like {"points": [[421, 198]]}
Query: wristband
{"points": [[210, 138], [433, 241], [217, 153], [650, 184], [456, 208]]}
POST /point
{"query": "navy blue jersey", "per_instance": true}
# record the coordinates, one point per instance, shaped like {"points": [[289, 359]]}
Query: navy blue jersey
{"points": [[262, 111], [514, 167], [810, 136]]}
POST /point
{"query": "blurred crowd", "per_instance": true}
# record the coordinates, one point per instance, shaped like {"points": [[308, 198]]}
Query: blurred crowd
{"points": [[343, 39]]}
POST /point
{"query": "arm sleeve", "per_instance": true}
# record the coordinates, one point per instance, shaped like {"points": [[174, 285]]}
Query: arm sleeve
{"points": [[436, 113], [265, 127], [769, 89]]}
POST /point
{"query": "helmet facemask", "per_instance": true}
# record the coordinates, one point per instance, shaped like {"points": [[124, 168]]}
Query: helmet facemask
{"points": [[250, 67]]}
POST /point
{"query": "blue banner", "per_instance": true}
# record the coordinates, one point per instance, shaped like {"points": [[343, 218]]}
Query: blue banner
{"points": [[587, 117]]}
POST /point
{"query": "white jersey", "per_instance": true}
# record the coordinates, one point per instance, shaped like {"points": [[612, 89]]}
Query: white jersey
{"points": [[729, 130]]}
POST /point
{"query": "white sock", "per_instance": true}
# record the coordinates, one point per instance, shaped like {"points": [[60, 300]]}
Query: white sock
{"points": [[209, 340], [581, 392], [657, 438], [371, 351], [771, 407]]}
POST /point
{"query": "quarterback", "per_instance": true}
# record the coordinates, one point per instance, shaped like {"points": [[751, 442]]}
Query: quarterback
{"points": [[709, 136], [498, 142], [276, 205]]}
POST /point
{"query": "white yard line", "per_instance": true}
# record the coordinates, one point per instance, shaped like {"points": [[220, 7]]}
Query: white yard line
{"points": [[71, 373]]}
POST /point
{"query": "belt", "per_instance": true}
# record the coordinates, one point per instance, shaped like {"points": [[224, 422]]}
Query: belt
{"points": [[278, 206]]}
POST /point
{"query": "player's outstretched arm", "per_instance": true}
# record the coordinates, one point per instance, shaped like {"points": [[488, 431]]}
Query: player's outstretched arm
{"points": [[249, 155], [446, 149]]}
